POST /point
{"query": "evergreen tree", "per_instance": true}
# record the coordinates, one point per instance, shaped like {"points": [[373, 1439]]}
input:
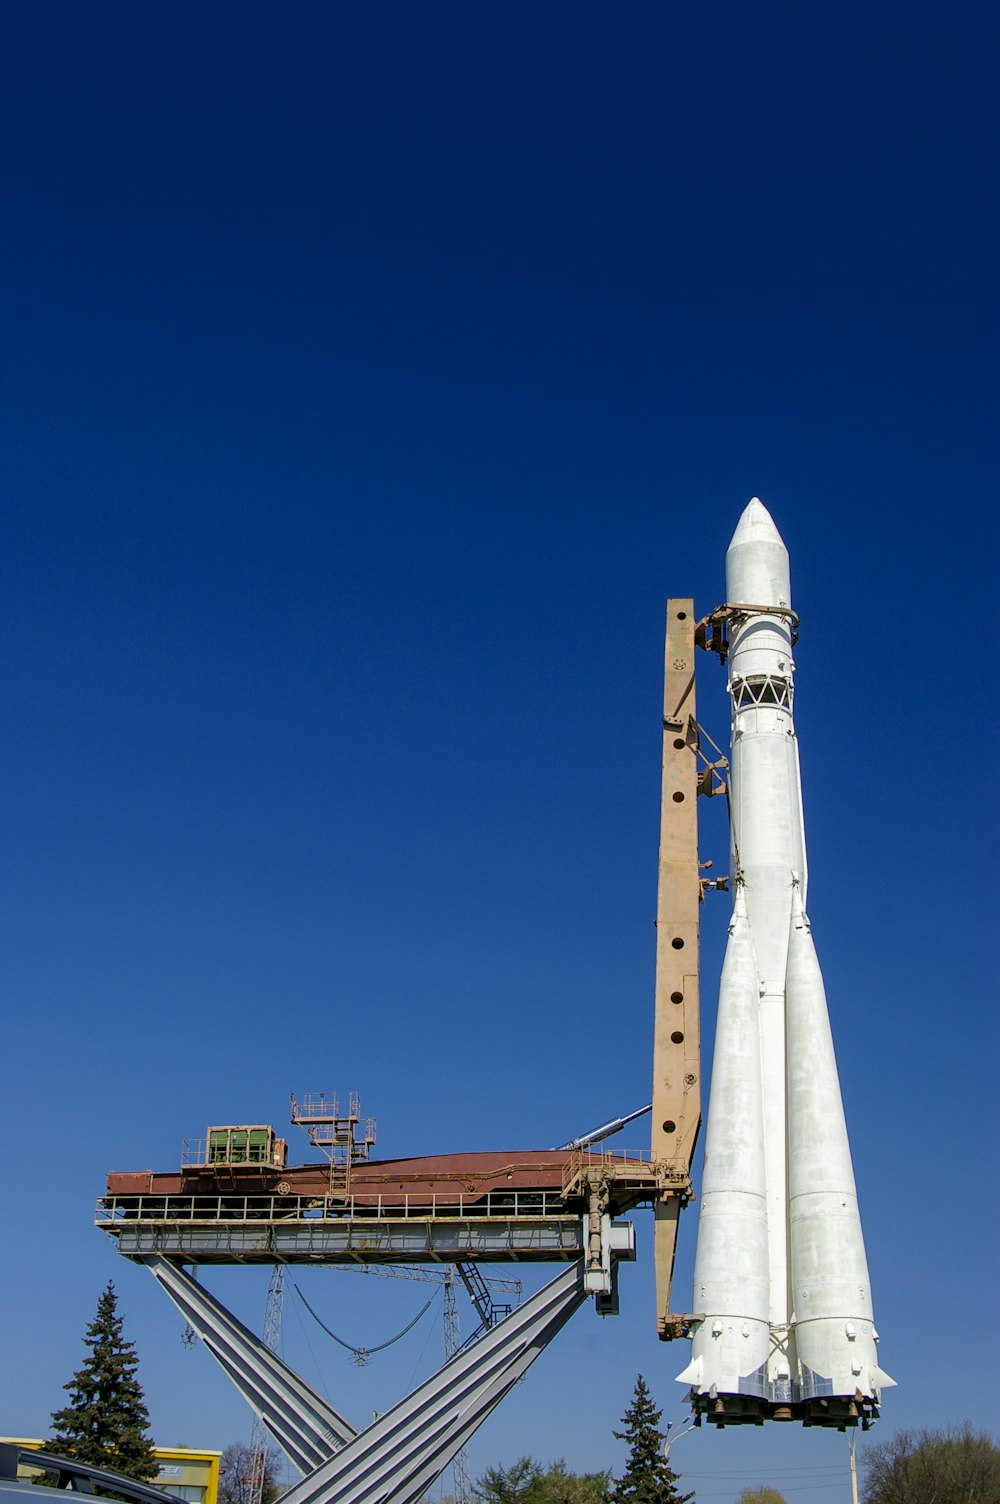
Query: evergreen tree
{"points": [[105, 1423], [648, 1477]]}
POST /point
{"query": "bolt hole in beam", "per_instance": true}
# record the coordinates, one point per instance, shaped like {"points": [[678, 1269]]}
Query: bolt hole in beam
{"points": [[678, 797], [670, 1126], [677, 1037], [682, 616], [677, 943], [679, 744]]}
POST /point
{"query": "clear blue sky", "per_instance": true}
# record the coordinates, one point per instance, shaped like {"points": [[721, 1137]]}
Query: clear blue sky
{"points": [[371, 375]]}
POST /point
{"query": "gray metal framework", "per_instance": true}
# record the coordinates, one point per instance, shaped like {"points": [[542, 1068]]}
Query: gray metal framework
{"points": [[345, 1240], [399, 1456], [304, 1425]]}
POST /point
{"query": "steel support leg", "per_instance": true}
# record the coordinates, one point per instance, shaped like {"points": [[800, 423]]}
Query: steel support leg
{"points": [[398, 1457], [308, 1429]]}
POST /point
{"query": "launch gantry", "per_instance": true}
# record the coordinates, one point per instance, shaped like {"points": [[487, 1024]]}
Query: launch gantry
{"points": [[236, 1200], [564, 1206]]}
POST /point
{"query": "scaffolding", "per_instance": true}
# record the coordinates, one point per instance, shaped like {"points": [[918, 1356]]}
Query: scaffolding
{"points": [[337, 1134]]}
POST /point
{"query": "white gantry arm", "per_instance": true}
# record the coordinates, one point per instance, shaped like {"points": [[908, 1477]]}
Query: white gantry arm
{"points": [[304, 1425], [400, 1455]]}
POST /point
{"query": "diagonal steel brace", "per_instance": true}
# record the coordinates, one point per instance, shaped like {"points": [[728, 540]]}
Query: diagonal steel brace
{"points": [[307, 1428], [398, 1457]]}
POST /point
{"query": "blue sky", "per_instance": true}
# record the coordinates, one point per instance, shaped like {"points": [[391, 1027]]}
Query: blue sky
{"points": [[372, 374]]}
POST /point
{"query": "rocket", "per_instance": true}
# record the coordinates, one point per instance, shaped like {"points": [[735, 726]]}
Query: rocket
{"points": [[783, 1325]]}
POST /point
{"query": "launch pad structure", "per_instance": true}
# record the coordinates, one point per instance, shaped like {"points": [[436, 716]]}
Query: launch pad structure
{"points": [[237, 1201]]}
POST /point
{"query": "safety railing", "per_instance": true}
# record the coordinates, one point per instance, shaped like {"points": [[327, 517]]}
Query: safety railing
{"points": [[513, 1205], [619, 1158]]}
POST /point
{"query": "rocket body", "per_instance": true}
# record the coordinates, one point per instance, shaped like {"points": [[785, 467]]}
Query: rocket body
{"points": [[781, 1299]]}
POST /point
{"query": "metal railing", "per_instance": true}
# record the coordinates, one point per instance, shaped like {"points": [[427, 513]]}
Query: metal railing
{"points": [[511, 1205], [204, 1154], [622, 1159]]}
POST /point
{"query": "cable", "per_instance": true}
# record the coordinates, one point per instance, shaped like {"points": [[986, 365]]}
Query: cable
{"points": [[361, 1354]]}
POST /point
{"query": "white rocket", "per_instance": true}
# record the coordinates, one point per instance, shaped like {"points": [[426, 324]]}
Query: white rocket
{"points": [[781, 1291]]}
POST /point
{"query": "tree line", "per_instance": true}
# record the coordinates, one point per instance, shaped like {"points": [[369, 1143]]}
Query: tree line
{"points": [[647, 1477], [106, 1424]]}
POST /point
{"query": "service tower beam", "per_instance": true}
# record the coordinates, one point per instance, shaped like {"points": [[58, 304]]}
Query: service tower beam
{"points": [[676, 1038]]}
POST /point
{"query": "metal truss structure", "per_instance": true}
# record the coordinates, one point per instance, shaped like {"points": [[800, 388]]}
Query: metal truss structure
{"points": [[306, 1428], [458, 1210], [398, 1457]]}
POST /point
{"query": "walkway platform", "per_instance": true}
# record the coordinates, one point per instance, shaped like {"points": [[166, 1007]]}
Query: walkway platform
{"points": [[530, 1206]]}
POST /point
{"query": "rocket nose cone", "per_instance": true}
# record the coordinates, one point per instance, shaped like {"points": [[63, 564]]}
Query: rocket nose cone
{"points": [[757, 560], [756, 525]]}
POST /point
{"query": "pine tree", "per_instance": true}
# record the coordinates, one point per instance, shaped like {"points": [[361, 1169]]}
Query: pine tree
{"points": [[648, 1477], [105, 1423]]}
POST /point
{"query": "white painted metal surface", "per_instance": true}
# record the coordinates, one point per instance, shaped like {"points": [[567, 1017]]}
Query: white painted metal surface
{"points": [[732, 1282], [781, 1280]]}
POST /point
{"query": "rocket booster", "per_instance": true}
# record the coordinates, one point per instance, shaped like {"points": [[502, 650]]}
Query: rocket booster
{"points": [[782, 1301]]}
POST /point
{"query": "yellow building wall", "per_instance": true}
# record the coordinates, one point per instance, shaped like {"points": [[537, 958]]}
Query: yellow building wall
{"points": [[193, 1476]]}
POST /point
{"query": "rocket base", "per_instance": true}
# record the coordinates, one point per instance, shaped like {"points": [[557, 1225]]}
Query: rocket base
{"points": [[839, 1410]]}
